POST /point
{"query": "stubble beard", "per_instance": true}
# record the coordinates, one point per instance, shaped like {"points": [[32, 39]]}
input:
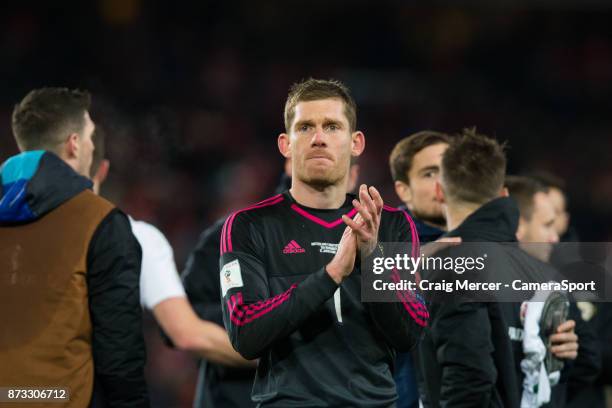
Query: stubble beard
{"points": [[321, 180]]}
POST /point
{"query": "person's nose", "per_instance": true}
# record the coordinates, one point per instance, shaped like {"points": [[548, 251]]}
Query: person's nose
{"points": [[318, 137], [554, 237]]}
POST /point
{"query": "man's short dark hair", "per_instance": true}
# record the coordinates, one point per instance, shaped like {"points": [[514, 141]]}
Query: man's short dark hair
{"points": [[97, 138], [404, 151], [473, 168], [523, 190], [45, 117], [318, 89], [549, 180]]}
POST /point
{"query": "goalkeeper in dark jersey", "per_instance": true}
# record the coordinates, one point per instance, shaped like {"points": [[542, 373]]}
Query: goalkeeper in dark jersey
{"points": [[290, 276]]}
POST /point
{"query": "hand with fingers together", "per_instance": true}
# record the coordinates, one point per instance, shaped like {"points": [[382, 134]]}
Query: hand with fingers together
{"points": [[343, 261], [564, 343], [366, 223]]}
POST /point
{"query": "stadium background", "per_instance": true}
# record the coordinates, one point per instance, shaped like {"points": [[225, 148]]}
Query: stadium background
{"points": [[191, 96]]}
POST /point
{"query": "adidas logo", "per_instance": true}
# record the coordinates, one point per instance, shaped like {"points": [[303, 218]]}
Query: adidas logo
{"points": [[293, 248]]}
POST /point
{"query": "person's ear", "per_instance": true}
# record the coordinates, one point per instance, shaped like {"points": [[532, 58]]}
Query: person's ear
{"points": [[284, 145], [102, 172], [404, 192], [504, 192], [357, 143], [71, 146], [440, 196]]}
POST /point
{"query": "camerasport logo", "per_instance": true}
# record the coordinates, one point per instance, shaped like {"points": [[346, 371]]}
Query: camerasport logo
{"points": [[293, 248]]}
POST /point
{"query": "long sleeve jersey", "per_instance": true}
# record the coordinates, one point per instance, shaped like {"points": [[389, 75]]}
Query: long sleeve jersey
{"points": [[318, 344]]}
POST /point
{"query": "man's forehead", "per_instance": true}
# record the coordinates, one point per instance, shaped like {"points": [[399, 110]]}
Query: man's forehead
{"points": [[429, 156], [332, 108], [543, 204], [556, 197]]}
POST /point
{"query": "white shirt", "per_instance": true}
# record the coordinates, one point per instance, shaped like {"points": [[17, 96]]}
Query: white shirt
{"points": [[159, 279]]}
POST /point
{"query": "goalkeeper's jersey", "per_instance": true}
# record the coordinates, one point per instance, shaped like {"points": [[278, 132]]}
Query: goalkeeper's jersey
{"points": [[318, 344]]}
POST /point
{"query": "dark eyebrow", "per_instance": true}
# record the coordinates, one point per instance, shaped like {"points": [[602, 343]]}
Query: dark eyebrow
{"points": [[330, 120]]}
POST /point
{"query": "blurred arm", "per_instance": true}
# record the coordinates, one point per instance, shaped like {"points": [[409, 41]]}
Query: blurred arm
{"points": [[163, 293], [190, 333]]}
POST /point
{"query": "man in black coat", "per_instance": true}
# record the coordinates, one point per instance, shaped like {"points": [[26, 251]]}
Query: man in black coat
{"points": [[537, 235], [472, 353]]}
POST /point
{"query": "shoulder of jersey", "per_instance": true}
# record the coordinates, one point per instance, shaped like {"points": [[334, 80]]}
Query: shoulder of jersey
{"points": [[256, 210], [398, 217], [241, 220], [392, 213]]}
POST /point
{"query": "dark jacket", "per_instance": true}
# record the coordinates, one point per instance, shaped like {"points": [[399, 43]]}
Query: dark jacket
{"points": [[468, 356], [71, 315], [581, 390], [580, 374], [218, 385], [585, 386]]}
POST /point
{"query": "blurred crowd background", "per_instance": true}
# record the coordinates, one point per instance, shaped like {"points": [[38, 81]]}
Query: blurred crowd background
{"points": [[191, 97]]}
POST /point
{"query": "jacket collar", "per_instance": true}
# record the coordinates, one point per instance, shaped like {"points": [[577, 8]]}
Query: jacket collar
{"points": [[495, 221], [427, 233], [34, 183]]}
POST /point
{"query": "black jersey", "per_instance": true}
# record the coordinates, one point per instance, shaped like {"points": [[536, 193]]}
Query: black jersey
{"points": [[318, 343]]}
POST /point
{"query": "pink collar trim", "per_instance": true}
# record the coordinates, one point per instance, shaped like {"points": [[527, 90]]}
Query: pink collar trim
{"points": [[318, 220]]}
